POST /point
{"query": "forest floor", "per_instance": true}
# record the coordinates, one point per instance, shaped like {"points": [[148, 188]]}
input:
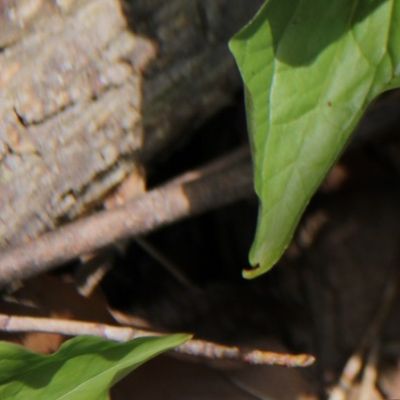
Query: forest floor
{"points": [[334, 295]]}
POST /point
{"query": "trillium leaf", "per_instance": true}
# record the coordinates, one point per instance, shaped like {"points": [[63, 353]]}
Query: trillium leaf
{"points": [[310, 68], [84, 368]]}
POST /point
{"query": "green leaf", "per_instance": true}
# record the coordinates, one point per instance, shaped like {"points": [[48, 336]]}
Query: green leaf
{"points": [[84, 368], [310, 69]]}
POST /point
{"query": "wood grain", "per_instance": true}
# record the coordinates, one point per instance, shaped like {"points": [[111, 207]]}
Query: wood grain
{"points": [[91, 88]]}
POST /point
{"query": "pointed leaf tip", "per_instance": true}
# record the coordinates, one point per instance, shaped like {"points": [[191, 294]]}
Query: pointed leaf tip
{"points": [[297, 59]]}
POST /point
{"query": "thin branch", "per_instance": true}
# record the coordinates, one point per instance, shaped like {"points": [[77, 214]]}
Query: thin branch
{"points": [[167, 264], [92, 270], [368, 388], [225, 181], [354, 364], [198, 348]]}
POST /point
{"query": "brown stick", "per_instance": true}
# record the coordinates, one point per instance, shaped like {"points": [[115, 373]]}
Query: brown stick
{"points": [[198, 348], [222, 182], [354, 364], [168, 265]]}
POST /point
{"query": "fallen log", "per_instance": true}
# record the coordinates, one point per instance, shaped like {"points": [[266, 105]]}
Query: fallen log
{"points": [[89, 89]]}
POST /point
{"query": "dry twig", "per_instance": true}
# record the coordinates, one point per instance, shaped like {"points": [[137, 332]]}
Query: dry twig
{"points": [[222, 182], [92, 270], [167, 264], [368, 389], [354, 364], [198, 348]]}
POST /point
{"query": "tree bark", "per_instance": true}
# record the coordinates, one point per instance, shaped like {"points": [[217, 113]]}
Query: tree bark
{"points": [[91, 88]]}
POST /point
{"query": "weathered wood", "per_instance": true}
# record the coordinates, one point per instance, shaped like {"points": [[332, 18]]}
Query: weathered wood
{"points": [[89, 88]]}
